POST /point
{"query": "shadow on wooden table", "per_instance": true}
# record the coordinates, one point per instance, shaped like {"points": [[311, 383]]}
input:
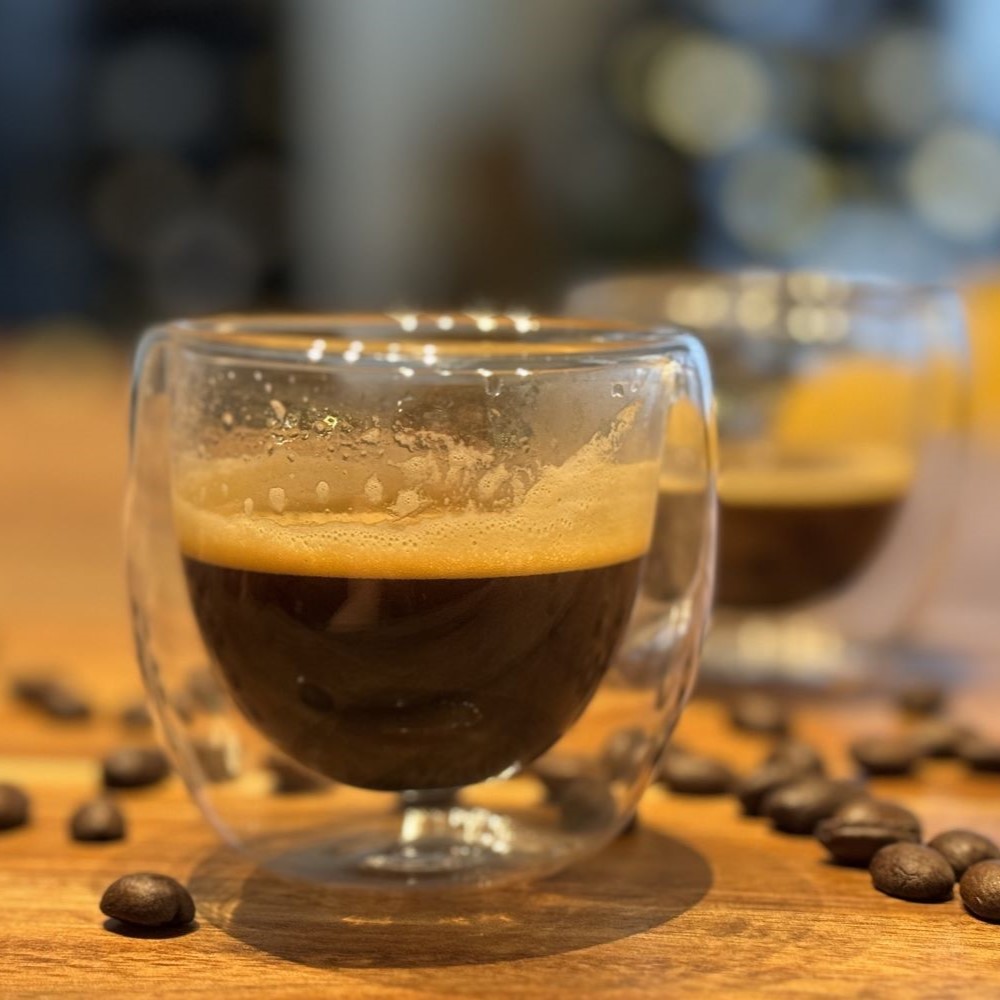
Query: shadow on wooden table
{"points": [[638, 883]]}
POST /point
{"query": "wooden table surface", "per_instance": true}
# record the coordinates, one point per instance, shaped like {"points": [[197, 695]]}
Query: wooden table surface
{"points": [[700, 902]]}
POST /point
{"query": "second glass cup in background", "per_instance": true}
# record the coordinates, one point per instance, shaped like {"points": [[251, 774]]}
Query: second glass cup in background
{"points": [[841, 409]]}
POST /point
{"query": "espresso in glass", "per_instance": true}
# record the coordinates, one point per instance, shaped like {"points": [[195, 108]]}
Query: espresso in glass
{"points": [[423, 652], [795, 525]]}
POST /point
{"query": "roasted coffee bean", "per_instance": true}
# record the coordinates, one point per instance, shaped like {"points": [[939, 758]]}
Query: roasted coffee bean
{"points": [[855, 833], [14, 807], [216, 761], [97, 820], [184, 708], [801, 755], [939, 737], [51, 697], [203, 691], [147, 899], [692, 774], [980, 754], [913, 872], [135, 767], [555, 773], [759, 713], [963, 848], [798, 806], [586, 805], [921, 698], [630, 827], [980, 889], [293, 779], [886, 754], [136, 716], [754, 787], [30, 690], [624, 754]]}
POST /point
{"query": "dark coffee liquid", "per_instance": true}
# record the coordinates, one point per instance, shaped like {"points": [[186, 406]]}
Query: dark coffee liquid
{"points": [[422, 683], [777, 554]]}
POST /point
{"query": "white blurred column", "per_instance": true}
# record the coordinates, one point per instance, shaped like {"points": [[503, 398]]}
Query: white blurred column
{"points": [[382, 94]]}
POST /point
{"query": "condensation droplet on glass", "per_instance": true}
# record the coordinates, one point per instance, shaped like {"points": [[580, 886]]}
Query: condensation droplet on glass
{"points": [[493, 386], [268, 387], [231, 375], [276, 498], [618, 390], [248, 506], [228, 420], [257, 376], [278, 408], [322, 491], [319, 426]]}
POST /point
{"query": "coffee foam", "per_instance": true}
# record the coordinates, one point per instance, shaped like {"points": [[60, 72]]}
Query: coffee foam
{"points": [[816, 478], [584, 514]]}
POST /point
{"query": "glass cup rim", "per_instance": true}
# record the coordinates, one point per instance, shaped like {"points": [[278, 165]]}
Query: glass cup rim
{"points": [[796, 306], [810, 283], [432, 339]]}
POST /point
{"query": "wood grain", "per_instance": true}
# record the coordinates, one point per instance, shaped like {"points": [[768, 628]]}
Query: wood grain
{"points": [[699, 902]]}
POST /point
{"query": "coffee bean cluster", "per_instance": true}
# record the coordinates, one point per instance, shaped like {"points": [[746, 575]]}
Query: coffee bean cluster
{"points": [[791, 789], [144, 900]]}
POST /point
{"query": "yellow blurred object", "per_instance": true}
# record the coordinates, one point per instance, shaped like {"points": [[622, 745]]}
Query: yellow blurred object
{"points": [[872, 402], [982, 301], [854, 401]]}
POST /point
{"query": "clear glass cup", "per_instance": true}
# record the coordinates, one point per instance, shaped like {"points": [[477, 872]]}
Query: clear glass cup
{"points": [[381, 569], [841, 408]]}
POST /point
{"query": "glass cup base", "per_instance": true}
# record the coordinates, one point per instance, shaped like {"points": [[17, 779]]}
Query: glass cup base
{"points": [[804, 652], [787, 650], [430, 848]]}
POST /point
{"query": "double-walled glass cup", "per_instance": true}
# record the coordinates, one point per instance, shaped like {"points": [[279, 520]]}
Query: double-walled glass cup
{"points": [[841, 407], [395, 558]]}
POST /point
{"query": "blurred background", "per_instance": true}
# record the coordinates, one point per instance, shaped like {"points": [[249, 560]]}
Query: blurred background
{"points": [[171, 157], [184, 156]]}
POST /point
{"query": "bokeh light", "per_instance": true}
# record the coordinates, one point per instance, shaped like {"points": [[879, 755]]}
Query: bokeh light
{"points": [[202, 262], [159, 92], [704, 95], [902, 82], [774, 196], [953, 180], [137, 196]]}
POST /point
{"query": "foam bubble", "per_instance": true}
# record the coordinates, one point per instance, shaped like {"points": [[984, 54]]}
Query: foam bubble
{"points": [[374, 490], [276, 498]]}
